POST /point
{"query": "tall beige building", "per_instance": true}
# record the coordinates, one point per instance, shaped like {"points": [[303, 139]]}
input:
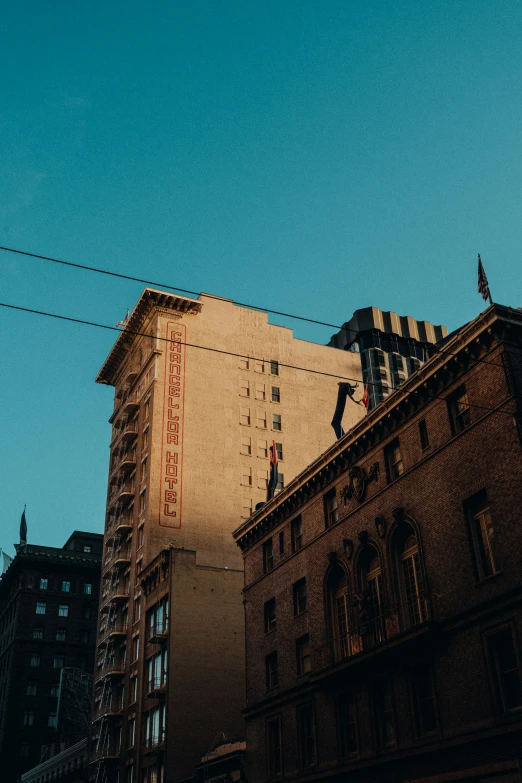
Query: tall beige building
{"points": [[202, 389]]}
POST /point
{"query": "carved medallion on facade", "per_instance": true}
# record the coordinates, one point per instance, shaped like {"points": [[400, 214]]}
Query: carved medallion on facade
{"points": [[358, 479]]}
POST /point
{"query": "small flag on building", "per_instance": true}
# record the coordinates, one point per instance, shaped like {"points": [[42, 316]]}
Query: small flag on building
{"points": [[483, 285], [23, 529], [125, 320], [274, 473], [366, 397]]}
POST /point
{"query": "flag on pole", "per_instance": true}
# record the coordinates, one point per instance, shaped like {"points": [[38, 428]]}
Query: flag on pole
{"points": [[366, 397], [274, 474], [125, 320], [23, 529], [483, 285]]}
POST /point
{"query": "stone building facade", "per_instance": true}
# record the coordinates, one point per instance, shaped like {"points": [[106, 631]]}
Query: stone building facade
{"points": [[383, 586], [202, 389], [48, 621]]}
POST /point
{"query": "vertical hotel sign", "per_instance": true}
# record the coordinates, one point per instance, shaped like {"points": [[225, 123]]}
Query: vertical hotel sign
{"points": [[169, 512]]}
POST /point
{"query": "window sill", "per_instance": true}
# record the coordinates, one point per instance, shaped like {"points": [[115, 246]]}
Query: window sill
{"points": [[272, 630], [491, 577], [300, 614]]}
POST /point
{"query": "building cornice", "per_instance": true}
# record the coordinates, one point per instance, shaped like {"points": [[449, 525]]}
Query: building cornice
{"points": [[149, 300], [470, 343]]}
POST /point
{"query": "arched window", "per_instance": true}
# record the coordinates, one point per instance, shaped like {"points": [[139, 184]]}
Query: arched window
{"points": [[369, 603], [411, 581], [338, 608]]}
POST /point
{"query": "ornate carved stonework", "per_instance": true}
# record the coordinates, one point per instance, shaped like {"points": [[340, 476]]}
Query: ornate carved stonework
{"points": [[358, 479]]}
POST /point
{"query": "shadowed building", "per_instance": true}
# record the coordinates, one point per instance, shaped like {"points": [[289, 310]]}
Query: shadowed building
{"points": [[48, 620], [383, 637], [201, 392]]}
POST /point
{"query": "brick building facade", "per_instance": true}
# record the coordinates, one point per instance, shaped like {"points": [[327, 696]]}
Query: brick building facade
{"points": [[48, 619], [383, 586]]}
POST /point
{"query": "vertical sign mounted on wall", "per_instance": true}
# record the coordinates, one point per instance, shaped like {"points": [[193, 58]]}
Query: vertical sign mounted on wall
{"points": [[170, 501]]}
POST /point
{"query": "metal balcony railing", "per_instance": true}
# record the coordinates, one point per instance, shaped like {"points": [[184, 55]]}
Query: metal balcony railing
{"points": [[158, 632], [154, 743], [112, 709], [109, 752], [113, 595], [366, 633], [113, 668], [156, 686]]}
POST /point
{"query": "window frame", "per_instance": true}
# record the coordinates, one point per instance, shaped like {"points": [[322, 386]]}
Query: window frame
{"points": [[270, 618], [301, 709], [459, 420], [497, 689], [425, 669], [277, 424], [424, 435], [330, 510], [275, 394], [394, 464], [272, 671], [303, 644], [482, 549], [298, 600], [270, 771], [268, 555], [342, 743], [296, 533]]}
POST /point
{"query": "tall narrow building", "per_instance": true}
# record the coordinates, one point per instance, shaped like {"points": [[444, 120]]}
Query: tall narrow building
{"points": [[203, 388], [392, 347]]}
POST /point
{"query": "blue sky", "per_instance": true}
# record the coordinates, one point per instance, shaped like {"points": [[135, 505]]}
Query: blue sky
{"points": [[312, 157]]}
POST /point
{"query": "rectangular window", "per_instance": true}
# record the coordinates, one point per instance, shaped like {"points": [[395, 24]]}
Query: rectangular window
{"points": [[303, 659], [274, 367], [300, 598], [260, 391], [261, 420], [38, 633], [281, 543], [143, 501], [262, 449], [87, 549], [61, 634], [25, 749], [246, 509], [505, 669], [66, 586], [458, 410], [28, 719], [244, 388], [272, 676], [480, 530], [276, 394], [246, 477], [135, 648], [423, 434], [280, 481], [144, 469], [41, 607], [331, 512], [31, 688], [279, 451], [246, 445], [423, 700], [273, 746], [383, 705], [306, 735], [35, 660], [262, 479], [44, 583], [52, 720], [259, 365], [132, 731], [393, 459], [83, 637], [58, 662], [244, 417], [133, 690], [268, 556], [276, 422], [63, 610], [347, 725], [296, 529], [55, 689], [86, 614], [87, 588], [243, 363], [270, 615]]}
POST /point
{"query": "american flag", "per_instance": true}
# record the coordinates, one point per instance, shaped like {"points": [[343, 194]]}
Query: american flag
{"points": [[366, 397], [125, 320], [483, 285]]}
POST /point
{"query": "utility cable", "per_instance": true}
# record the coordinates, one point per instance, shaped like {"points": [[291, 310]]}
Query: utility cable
{"points": [[430, 347], [219, 350]]}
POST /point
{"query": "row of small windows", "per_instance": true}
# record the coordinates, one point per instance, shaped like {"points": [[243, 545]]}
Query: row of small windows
{"points": [[61, 635], [503, 668], [262, 448], [32, 687], [262, 478], [259, 391], [259, 365], [66, 584], [41, 608], [245, 419], [28, 719]]}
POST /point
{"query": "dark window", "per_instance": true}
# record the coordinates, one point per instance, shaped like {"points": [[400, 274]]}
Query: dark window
{"points": [[276, 394], [83, 637], [31, 688], [61, 634], [87, 588], [272, 676], [268, 556], [25, 749], [302, 649], [270, 615], [424, 700], [297, 534], [274, 749], [347, 725], [458, 409], [276, 421], [44, 583], [66, 586], [383, 704], [35, 660], [331, 512], [393, 460], [58, 661], [87, 549], [423, 434], [28, 719], [279, 451], [300, 603], [38, 632], [55, 689], [506, 673], [480, 529], [63, 610], [306, 734], [41, 607], [86, 614], [281, 543], [274, 368]]}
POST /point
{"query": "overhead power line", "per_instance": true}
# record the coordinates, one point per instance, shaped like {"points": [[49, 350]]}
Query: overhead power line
{"points": [[431, 346], [217, 350]]}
